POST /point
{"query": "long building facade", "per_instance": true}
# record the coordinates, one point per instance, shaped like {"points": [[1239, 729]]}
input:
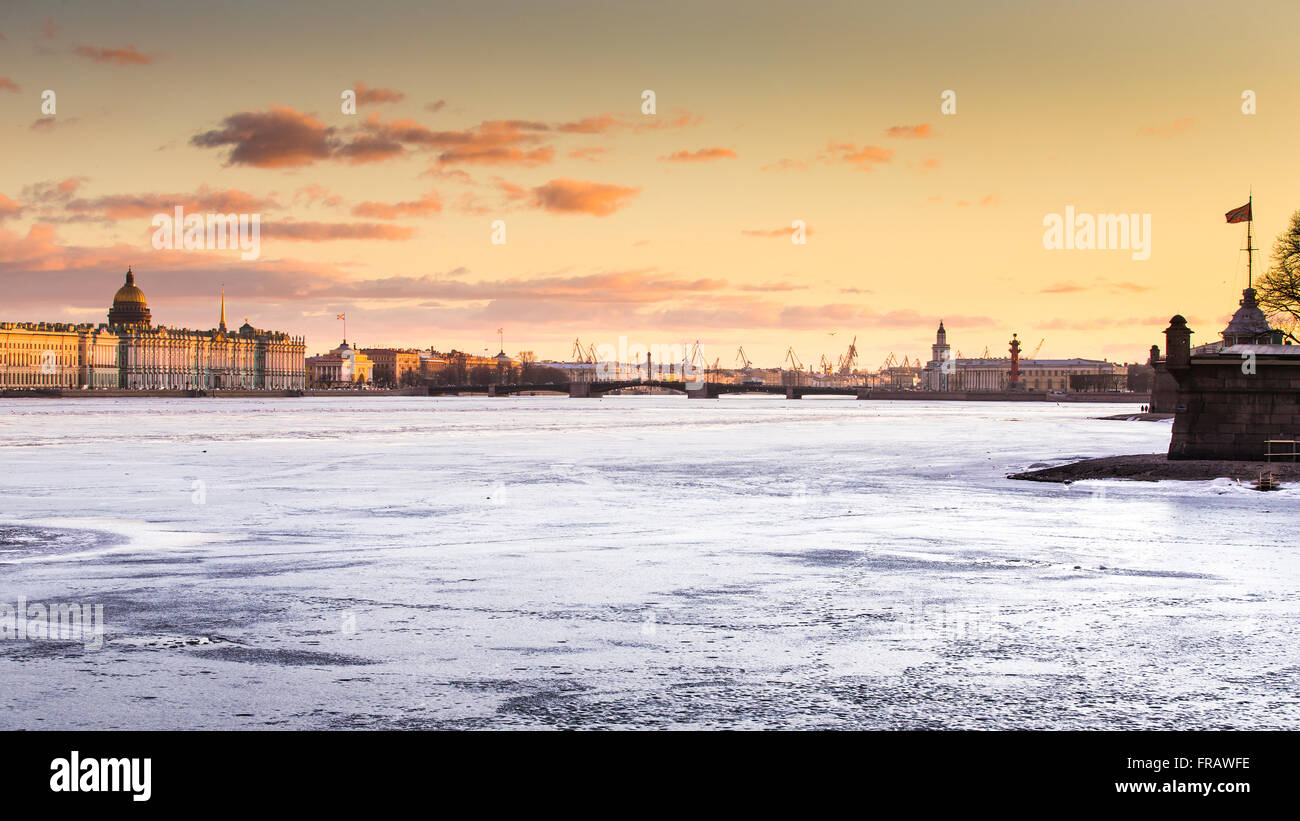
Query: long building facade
{"points": [[944, 372], [129, 352]]}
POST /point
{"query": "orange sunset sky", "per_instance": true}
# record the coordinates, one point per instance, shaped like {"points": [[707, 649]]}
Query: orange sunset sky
{"points": [[662, 228]]}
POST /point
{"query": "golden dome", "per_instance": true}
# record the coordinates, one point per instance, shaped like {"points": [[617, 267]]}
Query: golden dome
{"points": [[129, 306], [130, 294]]}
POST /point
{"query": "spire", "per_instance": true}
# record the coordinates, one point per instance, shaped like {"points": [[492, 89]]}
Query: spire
{"points": [[1250, 246], [222, 326]]}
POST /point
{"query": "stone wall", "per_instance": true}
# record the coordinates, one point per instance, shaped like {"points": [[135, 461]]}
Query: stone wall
{"points": [[1229, 404], [1222, 413]]}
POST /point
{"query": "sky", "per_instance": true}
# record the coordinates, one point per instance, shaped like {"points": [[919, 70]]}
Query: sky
{"points": [[659, 228]]}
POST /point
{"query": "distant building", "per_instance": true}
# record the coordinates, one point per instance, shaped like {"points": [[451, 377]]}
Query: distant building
{"points": [[393, 366], [458, 368], [343, 366], [130, 352], [935, 376], [993, 374]]}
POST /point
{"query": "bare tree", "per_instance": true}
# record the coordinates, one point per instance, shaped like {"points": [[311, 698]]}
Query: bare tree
{"points": [[1279, 287]]}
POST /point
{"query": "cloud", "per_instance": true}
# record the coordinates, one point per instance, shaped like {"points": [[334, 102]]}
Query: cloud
{"points": [[69, 271], [1130, 287], [1074, 324], [369, 148], [926, 165], [7, 84], [9, 209], [600, 124], [1063, 288], [512, 191], [367, 95], [49, 192], [427, 205], [50, 123], [313, 193], [681, 119], [775, 232], [301, 297], [330, 231], [49, 29], [284, 138], [786, 164], [772, 287], [455, 175], [116, 207], [700, 155], [590, 154], [1174, 129], [804, 317], [567, 196], [278, 138], [435, 106], [497, 155], [125, 56], [909, 132], [471, 204], [491, 142], [43, 274], [863, 158]]}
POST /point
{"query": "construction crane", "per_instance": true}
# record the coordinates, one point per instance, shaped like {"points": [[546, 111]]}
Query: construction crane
{"points": [[849, 360], [825, 366], [793, 358], [891, 361], [1037, 348], [584, 355], [697, 363], [986, 352], [741, 358]]}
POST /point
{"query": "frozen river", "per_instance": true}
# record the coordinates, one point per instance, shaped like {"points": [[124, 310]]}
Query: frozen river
{"points": [[632, 562]]}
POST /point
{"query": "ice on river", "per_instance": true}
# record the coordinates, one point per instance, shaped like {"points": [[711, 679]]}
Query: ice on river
{"points": [[632, 562]]}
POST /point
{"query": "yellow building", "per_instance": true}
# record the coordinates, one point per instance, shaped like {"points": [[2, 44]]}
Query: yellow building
{"points": [[394, 366], [129, 352], [56, 355], [945, 372], [344, 365]]}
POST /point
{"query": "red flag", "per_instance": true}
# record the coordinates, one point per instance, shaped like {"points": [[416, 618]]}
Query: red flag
{"points": [[341, 316], [1241, 214]]}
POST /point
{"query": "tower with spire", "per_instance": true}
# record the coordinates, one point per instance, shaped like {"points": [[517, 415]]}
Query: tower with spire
{"points": [[939, 353], [1249, 325], [221, 326]]}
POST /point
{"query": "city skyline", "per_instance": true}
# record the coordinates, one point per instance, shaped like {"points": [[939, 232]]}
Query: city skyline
{"points": [[666, 227]]}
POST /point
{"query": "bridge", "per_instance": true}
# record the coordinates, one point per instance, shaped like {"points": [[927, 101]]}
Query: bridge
{"points": [[694, 390], [714, 390]]}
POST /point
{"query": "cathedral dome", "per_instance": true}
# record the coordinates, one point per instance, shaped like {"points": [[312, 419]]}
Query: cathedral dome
{"points": [[129, 305]]}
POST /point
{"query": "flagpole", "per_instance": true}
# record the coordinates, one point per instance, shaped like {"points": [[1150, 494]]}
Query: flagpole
{"points": [[1250, 253]]}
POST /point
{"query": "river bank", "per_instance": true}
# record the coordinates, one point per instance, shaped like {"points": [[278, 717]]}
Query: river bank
{"points": [[1151, 467]]}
